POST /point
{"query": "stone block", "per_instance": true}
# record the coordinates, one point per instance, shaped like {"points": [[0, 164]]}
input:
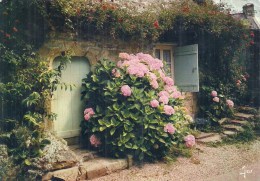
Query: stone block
{"points": [[102, 166], [233, 127], [211, 139], [204, 135], [229, 133], [65, 174], [95, 168], [239, 122], [116, 165], [57, 155], [244, 116]]}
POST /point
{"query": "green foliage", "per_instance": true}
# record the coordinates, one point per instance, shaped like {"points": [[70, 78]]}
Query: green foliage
{"points": [[129, 125], [23, 21], [25, 88], [114, 20], [223, 41], [7, 167], [212, 110], [26, 82], [247, 136]]}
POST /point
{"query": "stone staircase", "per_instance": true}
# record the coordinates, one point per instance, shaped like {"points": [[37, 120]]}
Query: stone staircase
{"points": [[90, 165], [244, 118]]}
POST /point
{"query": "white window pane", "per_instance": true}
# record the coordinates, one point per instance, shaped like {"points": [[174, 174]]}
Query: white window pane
{"points": [[168, 61]]}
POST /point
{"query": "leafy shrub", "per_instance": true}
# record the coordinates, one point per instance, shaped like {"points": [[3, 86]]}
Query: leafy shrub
{"points": [[26, 84], [133, 108], [7, 167], [216, 105]]}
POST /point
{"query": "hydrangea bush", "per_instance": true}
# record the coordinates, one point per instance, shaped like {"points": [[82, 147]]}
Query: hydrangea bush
{"points": [[218, 106], [133, 108]]}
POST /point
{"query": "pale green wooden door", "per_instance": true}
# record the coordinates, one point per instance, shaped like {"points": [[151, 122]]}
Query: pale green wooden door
{"points": [[67, 103]]}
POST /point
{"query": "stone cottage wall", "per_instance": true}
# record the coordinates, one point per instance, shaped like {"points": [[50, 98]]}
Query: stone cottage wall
{"points": [[94, 48]]}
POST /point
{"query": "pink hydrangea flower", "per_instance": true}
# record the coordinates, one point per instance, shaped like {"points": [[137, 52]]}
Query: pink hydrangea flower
{"points": [[230, 103], [239, 81], [119, 64], [164, 99], [137, 69], [164, 93], [190, 141], [214, 94], [161, 73], [126, 90], [144, 57], [89, 111], [153, 63], [87, 117], [176, 95], [170, 89], [156, 64], [116, 73], [152, 76], [169, 128], [125, 56], [154, 103], [216, 99], [94, 141], [154, 84], [168, 110], [168, 81]]}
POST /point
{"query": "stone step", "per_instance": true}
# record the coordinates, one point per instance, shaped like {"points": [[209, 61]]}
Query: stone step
{"points": [[88, 156], [239, 122], [83, 154], [229, 133], [233, 127], [89, 170], [212, 139], [204, 135], [223, 120], [244, 116], [75, 147], [247, 110]]}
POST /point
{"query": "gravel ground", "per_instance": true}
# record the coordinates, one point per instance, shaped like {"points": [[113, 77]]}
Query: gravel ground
{"points": [[210, 162]]}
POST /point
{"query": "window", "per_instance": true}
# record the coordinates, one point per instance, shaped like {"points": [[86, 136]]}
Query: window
{"points": [[181, 63], [164, 52]]}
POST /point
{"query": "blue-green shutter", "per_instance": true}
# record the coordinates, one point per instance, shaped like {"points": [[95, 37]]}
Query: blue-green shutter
{"points": [[186, 70]]}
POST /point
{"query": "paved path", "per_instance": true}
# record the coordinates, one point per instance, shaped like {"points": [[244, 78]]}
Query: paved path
{"points": [[248, 172], [224, 163]]}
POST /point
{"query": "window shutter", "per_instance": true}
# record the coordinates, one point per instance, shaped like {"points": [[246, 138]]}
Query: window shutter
{"points": [[186, 71]]}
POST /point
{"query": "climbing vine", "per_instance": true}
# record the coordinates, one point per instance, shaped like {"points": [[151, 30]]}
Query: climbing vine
{"points": [[26, 85]]}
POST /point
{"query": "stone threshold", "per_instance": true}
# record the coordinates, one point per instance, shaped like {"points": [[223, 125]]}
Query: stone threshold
{"points": [[89, 170], [89, 166]]}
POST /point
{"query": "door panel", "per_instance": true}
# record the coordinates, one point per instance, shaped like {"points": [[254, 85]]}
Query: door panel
{"points": [[186, 70], [66, 103]]}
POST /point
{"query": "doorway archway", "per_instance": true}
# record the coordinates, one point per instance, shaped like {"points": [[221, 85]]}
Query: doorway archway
{"points": [[67, 103]]}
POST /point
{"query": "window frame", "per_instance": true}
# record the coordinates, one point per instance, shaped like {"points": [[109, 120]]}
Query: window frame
{"points": [[166, 46]]}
